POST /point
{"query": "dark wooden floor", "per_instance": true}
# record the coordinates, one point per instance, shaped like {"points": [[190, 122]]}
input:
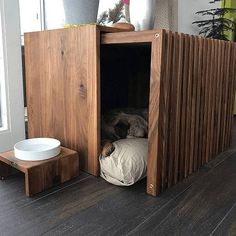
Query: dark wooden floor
{"points": [[203, 204]]}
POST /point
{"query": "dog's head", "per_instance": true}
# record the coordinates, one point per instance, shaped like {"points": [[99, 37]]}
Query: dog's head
{"points": [[121, 129]]}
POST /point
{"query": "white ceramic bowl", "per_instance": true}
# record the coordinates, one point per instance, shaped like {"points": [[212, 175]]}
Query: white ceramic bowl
{"points": [[37, 149]]}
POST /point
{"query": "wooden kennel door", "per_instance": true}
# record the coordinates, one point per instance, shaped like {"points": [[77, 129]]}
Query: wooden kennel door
{"points": [[62, 78]]}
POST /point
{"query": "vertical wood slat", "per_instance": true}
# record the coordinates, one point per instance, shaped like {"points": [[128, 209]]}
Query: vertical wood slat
{"points": [[212, 144], [206, 76], [200, 99], [196, 103], [193, 104], [155, 134], [221, 75], [210, 78], [189, 157], [165, 99], [227, 89], [174, 111], [179, 73], [231, 95], [225, 95], [183, 107], [202, 72], [197, 75], [217, 97]]}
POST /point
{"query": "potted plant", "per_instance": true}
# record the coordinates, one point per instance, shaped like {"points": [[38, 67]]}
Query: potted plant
{"points": [[218, 26], [69, 12]]}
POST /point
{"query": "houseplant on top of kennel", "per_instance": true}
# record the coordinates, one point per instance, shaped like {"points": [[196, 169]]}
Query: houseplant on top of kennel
{"points": [[218, 25], [118, 16]]}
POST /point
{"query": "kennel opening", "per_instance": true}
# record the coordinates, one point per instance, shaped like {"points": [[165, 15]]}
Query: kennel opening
{"points": [[125, 76]]}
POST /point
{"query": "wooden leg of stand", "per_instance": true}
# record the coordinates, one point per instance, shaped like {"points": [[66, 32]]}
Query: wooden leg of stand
{"points": [[5, 170]]}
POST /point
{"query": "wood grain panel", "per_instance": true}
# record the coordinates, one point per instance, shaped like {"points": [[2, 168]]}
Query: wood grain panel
{"points": [[129, 37], [62, 89]]}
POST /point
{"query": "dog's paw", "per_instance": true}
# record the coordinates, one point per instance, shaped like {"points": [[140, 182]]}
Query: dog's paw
{"points": [[108, 149]]}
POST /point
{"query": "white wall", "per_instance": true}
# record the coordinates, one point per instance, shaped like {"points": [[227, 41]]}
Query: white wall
{"points": [[167, 15], [186, 14]]}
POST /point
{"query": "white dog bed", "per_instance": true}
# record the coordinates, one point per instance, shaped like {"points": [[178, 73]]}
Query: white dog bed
{"points": [[127, 164]]}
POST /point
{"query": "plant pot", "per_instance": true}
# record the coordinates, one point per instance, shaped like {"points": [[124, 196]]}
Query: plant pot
{"points": [[60, 12], [142, 14]]}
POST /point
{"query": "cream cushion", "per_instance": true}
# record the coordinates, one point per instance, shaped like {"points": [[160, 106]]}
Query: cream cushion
{"points": [[127, 164]]}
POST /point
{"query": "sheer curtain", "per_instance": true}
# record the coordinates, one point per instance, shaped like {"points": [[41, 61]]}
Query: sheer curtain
{"points": [[167, 15]]}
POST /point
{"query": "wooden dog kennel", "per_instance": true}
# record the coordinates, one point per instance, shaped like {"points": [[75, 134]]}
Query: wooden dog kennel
{"points": [[191, 95]]}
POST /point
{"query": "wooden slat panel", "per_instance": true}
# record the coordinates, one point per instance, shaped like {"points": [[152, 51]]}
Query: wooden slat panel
{"points": [[196, 102]]}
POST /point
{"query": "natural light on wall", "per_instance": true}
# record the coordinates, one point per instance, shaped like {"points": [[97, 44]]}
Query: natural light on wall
{"points": [[3, 118]]}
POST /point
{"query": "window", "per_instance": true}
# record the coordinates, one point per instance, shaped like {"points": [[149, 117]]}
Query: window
{"points": [[3, 120], [11, 89]]}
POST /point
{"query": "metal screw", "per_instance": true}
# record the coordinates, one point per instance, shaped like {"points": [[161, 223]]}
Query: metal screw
{"points": [[13, 164], [156, 35]]}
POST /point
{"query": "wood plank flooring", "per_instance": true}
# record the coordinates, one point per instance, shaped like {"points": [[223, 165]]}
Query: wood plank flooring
{"points": [[202, 204]]}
